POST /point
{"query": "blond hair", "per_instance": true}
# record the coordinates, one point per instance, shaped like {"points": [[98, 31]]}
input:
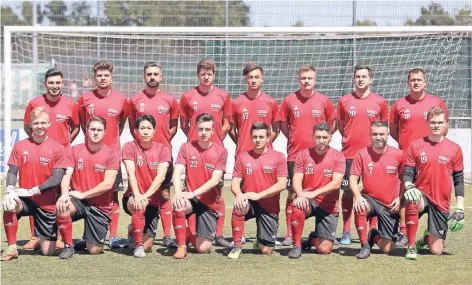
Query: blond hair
{"points": [[37, 112]]}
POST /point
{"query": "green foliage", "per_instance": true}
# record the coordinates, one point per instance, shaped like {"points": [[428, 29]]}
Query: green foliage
{"points": [[366, 23], [435, 15]]}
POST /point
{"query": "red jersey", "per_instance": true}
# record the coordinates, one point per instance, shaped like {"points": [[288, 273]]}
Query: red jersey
{"points": [[246, 111], [302, 114], [199, 166], [162, 106], [35, 163], [62, 114], [113, 108], [357, 115], [217, 103], [259, 172], [146, 166], [380, 173], [435, 163], [411, 116], [89, 171], [318, 172]]}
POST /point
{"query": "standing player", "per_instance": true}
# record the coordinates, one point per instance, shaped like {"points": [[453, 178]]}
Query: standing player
{"points": [[299, 110], [91, 172], [204, 163], [207, 98], [112, 106], [40, 162], [317, 177], [64, 120], [264, 172], [146, 163], [408, 123], [355, 113], [165, 109], [253, 106], [379, 166], [429, 164]]}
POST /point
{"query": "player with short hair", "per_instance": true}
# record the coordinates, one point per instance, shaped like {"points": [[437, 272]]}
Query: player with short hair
{"points": [[165, 109], [146, 163], [299, 110], [113, 107], [207, 98], [64, 120], [204, 163], [91, 173], [317, 177], [355, 112], [264, 172], [429, 165], [378, 165], [39, 161], [408, 123]]}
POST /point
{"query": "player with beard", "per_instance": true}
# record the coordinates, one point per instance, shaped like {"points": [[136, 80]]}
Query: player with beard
{"points": [[378, 165]]}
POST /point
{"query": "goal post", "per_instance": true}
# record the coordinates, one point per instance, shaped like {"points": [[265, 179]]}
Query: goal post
{"points": [[444, 52]]}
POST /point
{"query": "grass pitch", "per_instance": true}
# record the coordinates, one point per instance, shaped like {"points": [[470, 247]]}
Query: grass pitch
{"points": [[341, 267]]}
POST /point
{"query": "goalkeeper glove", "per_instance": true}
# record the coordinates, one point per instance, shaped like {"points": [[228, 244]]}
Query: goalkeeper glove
{"points": [[9, 202], [412, 193], [456, 220]]}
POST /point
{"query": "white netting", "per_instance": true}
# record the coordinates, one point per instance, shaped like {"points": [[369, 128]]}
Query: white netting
{"points": [[445, 56]]}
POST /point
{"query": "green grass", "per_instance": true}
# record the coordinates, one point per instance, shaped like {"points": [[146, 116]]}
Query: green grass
{"points": [[341, 267]]}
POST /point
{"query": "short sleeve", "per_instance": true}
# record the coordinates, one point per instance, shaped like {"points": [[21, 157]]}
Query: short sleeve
{"points": [[165, 154], [222, 159], [182, 157], [81, 104], [174, 109], [444, 107], [124, 108], [284, 111], [394, 114], [330, 112], [75, 114], [458, 162], [410, 156], [131, 110], [28, 110], [113, 161], [60, 157], [238, 168], [356, 168], [383, 110], [127, 152], [299, 163], [14, 157], [227, 108], [234, 113], [184, 106], [70, 160], [281, 166], [275, 110], [340, 110]]}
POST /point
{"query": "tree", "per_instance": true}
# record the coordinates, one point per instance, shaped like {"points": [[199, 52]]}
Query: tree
{"points": [[434, 15], [80, 14], [464, 17], [298, 24], [9, 18], [27, 13], [56, 11], [366, 22]]}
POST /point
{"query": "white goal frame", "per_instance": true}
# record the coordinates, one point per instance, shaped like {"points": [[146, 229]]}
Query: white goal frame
{"points": [[224, 31]]}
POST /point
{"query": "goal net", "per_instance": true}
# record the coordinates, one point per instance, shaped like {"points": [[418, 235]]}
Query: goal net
{"points": [[444, 52]]}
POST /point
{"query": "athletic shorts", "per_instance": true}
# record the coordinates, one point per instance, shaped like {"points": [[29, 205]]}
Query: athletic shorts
{"points": [[437, 220], [345, 183], [267, 224], [325, 223], [167, 183], [151, 217], [118, 181], [387, 221], [96, 222], [45, 226], [290, 168], [206, 219]]}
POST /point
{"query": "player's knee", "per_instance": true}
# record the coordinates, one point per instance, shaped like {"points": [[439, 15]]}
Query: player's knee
{"points": [[436, 250], [237, 213], [266, 250], [48, 247], [324, 247], [204, 247], [411, 208], [147, 247], [388, 247], [165, 195], [94, 249]]}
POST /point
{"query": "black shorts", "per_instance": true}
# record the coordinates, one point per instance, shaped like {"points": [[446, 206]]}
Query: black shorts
{"points": [[387, 221], [325, 223], [45, 226], [206, 219], [96, 222], [167, 183], [267, 224], [437, 220], [290, 169], [151, 217], [345, 183], [118, 181]]}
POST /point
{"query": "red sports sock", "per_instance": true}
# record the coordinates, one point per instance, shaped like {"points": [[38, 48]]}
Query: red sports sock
{"points": [[64, 225], [360, 220], [137, 225], [221, 219], [237, 224], [347, 205], [288, 215], [178, 218], [10, 224], [115, 216], [373, 223], [31, 220], [165, 212], [298, 222], [411, 216]]}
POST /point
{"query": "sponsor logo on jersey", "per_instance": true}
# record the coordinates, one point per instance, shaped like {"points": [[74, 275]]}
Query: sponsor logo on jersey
{"points": [[112, 112], [245, 114], [141, 107], [327, 172], [352, 111], [262, 113], [61, 118], [99, 168], [407, 114], [316, 113], [44, 161], [80, 164], [140, 161], [371, 113], [392, 169], [267, 169], [154, 165], [423, 158], [209, 166], [443, 159], [162, 109], [249, 168], [215, 107]]}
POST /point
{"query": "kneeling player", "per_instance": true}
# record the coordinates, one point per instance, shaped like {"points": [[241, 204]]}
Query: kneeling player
{"points": [[379, 166], [204, 163], [318, 175], [146, 163], [264, 172], [430, 161], [91, 173], [40, 163]]}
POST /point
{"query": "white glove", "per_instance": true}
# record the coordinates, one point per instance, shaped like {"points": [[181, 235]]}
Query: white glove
{"points": [[34, 191], [10, 199]]}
